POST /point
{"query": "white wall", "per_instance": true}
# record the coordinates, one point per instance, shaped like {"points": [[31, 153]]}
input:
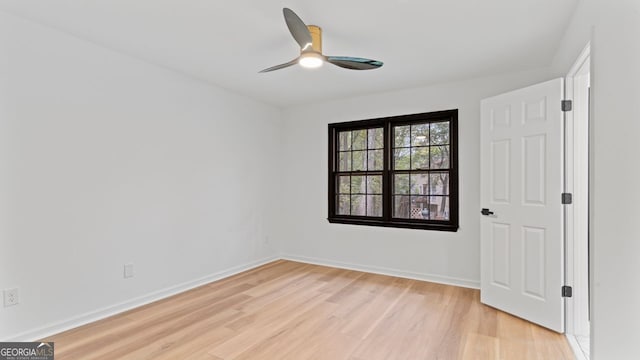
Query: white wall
{"points": [[451, 257], [106, 160], [614, 30]]}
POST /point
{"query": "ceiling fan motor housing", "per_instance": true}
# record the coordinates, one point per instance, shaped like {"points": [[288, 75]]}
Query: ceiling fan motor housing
{"points": [[316, 38]]}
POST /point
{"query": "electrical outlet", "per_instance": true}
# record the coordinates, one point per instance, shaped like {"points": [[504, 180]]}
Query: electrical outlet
{"points": [[128, 271], [11, 297]]}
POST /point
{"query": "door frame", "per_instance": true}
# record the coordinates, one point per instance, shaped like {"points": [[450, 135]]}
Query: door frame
{"points": [[576, 215]]}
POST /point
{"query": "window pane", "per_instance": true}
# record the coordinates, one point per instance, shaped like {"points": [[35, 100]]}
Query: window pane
{"points": [[420, 158], [344, 183], [439, 207], [375, 159], [359, 139], [401, 136], [420, 135], [358, 186], [374, 205], [401, 159], [359, 160], [439, 157], [358, 205], [374, 184], [376, 138], [440, 133], [344, 161], [419, 207], [344, 140], [401, 184], [439, 183], [420, 184], [343, 205], [401, 207]]}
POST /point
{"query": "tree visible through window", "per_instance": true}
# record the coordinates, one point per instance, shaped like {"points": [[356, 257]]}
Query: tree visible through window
{"points": [[398, 171]]}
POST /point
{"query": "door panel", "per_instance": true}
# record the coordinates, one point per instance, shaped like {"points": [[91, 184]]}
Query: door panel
{"points": [[521, 183], [500, 245], [501, 161], [534, 262], [534, 164]]}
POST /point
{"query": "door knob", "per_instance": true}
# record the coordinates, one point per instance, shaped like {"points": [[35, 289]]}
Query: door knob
{"points": [[486, 212]]}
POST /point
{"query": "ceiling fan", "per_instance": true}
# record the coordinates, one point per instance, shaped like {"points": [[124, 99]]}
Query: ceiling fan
{"points": [[309, 37]]}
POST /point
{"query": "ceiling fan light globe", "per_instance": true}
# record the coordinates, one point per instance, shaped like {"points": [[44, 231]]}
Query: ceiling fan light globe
{"points": [[310, 61]]}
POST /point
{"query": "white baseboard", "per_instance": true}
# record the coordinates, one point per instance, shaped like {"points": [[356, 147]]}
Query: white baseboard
{"points": [[83, 319], [447, 280], [577, 351]]}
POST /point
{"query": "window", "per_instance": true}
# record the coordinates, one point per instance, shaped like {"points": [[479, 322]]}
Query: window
{"points": [[399, 171]]}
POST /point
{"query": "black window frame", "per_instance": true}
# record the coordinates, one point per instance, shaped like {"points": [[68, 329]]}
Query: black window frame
{"points": [[387, 123]]}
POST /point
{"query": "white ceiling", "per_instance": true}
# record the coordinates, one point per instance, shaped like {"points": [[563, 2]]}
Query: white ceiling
{"points": [[226, 43]]}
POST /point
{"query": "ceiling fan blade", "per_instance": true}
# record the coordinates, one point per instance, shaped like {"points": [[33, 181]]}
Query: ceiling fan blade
{"points": [[354, 63], [281, 66], [297, 28]]}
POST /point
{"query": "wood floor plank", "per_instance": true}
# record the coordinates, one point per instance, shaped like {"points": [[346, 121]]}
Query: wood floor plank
{"points": [[291, 310], [327, 343], [269, 325], [478, 346]]}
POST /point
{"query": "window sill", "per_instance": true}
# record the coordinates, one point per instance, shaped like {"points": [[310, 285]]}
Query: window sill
{"points": [[396, 224]]}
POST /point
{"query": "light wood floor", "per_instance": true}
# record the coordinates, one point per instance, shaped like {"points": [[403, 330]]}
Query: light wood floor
{"points": [[289, 310]]}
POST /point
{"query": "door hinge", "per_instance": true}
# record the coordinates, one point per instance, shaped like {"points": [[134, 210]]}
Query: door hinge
{"points": [[566, 105], [567, 198], [567, 291]]}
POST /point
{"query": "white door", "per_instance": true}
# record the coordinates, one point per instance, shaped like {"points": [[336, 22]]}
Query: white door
{"points": [[522, 256]]}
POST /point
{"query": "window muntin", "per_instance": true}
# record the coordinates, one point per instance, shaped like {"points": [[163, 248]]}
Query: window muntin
{"points": [[398, 171]]}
